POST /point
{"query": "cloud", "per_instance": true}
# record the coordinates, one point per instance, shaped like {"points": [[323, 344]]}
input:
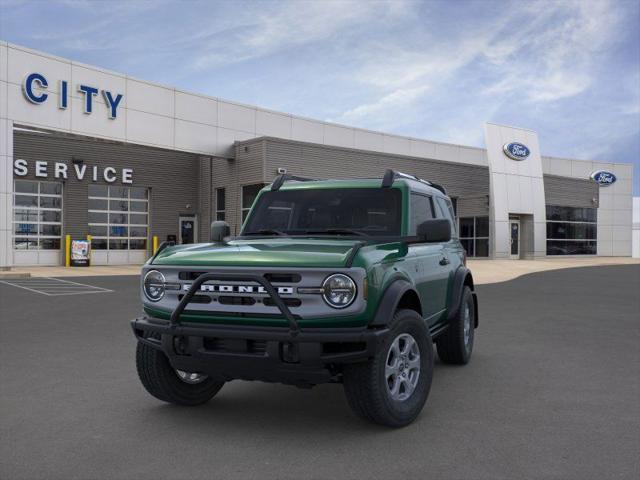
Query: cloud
{"points": [[553, 55], [535, 53], [274, 27], [394, 100]]}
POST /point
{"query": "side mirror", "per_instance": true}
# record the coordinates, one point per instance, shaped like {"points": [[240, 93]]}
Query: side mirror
{"points": [[436, 230], [219, 231]]}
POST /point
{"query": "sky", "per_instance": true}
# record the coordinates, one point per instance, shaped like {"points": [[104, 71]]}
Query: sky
{"points": [[568, 69]]}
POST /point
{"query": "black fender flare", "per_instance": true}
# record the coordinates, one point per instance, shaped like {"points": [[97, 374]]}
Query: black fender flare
{"points": [[461, 278], [390, 300]]}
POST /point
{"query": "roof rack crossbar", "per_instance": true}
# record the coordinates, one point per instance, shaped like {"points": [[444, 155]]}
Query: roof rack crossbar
{"points": [[391, 175], [280, 179]]}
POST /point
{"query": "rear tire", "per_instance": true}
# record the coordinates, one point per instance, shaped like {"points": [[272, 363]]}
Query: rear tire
{"points": [[374, 389], [456, 344], [162, 381]]}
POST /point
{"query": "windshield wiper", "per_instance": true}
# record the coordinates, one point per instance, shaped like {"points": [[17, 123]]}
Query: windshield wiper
{"points": [[338, 231], [266, 232]]}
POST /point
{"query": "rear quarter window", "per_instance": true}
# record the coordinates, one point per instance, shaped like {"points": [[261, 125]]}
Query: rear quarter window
{"points": [[421, 209], [445, 210]]}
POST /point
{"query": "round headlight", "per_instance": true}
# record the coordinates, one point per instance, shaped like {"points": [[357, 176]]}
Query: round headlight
{"points": [[153, 285], [338, 290]]}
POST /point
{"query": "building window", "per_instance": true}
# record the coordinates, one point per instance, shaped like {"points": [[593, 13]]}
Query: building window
{"points": [[474, 235], [118, 217], [249, 194], [572, 231], [220, 204], [37, 215]]}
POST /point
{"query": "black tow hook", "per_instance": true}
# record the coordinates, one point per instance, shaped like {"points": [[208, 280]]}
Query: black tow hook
{"points": [[290, 352], [181, 345]]}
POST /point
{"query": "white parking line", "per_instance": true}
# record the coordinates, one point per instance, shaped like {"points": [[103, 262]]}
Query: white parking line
{"points": [[82, 284], [54, 287]]}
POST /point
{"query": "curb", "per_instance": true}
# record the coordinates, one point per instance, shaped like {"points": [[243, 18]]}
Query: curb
{"points": [[13, 275]]}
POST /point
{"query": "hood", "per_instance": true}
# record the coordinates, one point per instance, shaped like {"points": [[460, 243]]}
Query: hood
{"points": [[272, 252]]}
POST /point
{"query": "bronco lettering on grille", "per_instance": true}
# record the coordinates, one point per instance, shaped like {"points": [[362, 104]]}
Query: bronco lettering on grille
{"points": [[250, 289]]}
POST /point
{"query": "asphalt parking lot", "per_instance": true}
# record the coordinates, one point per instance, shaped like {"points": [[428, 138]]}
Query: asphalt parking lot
{"points": [[553, 391]]}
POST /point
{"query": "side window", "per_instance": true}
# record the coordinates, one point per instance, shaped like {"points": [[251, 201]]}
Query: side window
{"points": [[446, 211], [421, 210]]}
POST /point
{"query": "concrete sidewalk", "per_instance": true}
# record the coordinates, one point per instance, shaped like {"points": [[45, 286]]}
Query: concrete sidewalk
{"points": [[494, 271], [60, 271], [484, 271]]}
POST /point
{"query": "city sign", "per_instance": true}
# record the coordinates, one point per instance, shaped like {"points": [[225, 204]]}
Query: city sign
{"points": [[35, 87]]}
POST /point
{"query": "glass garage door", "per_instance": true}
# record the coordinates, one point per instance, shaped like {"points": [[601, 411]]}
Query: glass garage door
{"points": [[37, 223], [118, 220], [571, 230]]}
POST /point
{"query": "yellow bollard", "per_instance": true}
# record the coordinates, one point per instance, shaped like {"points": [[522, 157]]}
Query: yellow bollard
{"points": [[67, 250], [155, 244]]}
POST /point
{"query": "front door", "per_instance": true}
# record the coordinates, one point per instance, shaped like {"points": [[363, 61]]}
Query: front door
{"points": [[515, 239], [187, 229], [428, 265]]}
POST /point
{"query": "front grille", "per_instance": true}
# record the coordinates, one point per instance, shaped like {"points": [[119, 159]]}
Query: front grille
{"points": [[197, 298], [299, 289], [289, 302], [228, 300], [243, 294], [222, 314], [283, 277], [272, 277]]}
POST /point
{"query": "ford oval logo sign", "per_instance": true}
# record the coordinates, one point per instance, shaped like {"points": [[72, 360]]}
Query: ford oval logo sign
{"points": [[516, 151], [604, 178]]}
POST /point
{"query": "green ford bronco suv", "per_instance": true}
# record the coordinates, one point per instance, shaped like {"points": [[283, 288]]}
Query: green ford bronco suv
{"points": [[342, 281]]}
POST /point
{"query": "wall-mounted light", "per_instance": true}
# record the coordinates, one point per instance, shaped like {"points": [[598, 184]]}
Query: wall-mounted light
{"points": [[77, 161], [282, 171]]}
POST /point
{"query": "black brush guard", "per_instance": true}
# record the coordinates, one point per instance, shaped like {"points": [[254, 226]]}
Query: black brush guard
{"points": [[294, 328], [291, 356]]}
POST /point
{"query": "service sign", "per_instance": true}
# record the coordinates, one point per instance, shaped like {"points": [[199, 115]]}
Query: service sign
{"points": [[516, 151], [603, 178], [77, 170], [80, 253]]}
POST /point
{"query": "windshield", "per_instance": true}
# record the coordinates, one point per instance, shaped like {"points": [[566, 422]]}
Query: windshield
{"points": [[333, 211]]}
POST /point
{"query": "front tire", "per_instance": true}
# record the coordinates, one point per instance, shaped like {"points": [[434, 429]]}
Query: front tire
{"points": [[456, 344], [391, 388], [165, 383]]}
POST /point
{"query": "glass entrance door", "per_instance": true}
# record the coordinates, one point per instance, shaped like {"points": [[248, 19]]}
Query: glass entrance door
{"points": [[515, 239], [188, 229]]}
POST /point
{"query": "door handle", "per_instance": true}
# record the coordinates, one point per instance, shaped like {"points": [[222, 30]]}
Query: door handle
{"points": [[444, 261]]}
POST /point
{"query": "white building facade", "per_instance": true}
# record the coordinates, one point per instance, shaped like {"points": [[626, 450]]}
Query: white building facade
{"points": [[85, 151]]}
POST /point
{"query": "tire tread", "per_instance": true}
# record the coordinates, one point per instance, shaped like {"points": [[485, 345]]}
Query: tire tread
{"points": [[367, 397], [450, 345], [161, 381]]}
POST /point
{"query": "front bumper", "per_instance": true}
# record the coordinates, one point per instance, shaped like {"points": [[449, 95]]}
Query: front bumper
{"points": [[270, 354]]}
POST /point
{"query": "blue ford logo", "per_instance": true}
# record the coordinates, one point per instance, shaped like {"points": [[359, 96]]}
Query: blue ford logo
{"points": [[604, 178], [516, 151]]}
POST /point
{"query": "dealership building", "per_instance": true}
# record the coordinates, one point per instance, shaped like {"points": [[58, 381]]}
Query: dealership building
{"points": [[86, 152]]}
